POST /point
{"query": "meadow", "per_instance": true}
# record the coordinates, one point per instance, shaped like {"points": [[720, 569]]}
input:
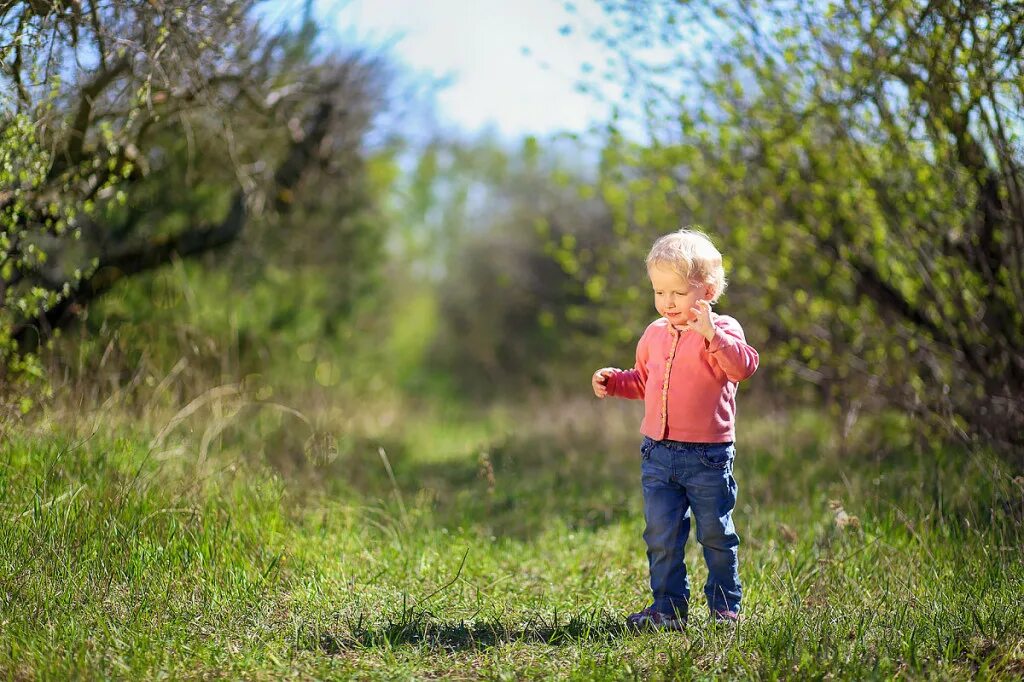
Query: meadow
{"points": [[294, 370], [423, 542]]}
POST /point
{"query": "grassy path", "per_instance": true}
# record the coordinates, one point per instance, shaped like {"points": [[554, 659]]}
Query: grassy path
{"points": [[493, 556]]}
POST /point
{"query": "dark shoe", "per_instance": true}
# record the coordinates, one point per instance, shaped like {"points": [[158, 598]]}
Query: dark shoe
{"points": [[725, 617], [649, 618]]}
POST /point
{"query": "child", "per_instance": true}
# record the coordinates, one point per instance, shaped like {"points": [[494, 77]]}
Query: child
{"points": [[688, 365]]}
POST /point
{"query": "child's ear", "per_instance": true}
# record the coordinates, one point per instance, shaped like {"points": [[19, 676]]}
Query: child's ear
{"points": [[709, 293]]}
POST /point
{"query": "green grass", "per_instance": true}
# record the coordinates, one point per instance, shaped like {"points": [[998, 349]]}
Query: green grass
{"points": [[438, 545]]}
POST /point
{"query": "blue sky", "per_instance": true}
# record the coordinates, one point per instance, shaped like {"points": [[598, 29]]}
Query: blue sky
{"points": [[505, 64]]}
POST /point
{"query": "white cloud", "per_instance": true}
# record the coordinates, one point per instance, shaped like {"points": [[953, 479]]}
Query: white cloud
{"points": [[480, 44]]}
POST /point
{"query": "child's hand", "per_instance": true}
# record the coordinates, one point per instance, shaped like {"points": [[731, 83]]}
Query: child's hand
{"points": [[702, 324], [600, 380]]}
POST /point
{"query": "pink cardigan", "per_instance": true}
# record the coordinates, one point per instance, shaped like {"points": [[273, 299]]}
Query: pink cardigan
{"points": [[688, 384]]}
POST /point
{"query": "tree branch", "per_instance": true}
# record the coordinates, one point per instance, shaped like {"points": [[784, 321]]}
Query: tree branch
{"points": [[150, 254], [79, 126]]}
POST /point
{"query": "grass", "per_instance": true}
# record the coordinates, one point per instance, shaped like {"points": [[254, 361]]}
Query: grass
{"points": [[507, 545]]}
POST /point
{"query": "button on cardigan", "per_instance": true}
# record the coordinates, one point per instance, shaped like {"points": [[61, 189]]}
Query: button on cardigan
{"points": [[688, 384]]}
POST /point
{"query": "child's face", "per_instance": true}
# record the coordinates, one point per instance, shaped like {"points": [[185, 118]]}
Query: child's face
{"points": [[674, 296]]}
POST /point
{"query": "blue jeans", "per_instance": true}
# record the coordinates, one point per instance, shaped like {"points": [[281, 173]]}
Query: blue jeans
{"points": [[679, 478]]}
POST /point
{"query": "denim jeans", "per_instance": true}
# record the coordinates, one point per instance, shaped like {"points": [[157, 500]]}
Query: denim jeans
{"points": [[679, 478]]}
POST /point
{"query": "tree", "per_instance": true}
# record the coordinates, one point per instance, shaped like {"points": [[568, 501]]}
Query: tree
{"points": [[860, 162], [487, 234], [132, 132]]}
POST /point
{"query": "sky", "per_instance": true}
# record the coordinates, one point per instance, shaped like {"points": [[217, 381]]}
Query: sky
{"points": [[508, 65]]}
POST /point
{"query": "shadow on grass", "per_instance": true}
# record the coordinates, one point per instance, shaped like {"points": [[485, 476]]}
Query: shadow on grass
{"points": [[515, 487], [423, 629]]}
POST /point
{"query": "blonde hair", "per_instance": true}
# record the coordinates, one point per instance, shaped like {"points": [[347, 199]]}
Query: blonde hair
{"points": [[690, 253]]}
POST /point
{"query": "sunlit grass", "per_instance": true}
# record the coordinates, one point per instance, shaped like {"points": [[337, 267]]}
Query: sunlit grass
{"points": [[445, 544]]}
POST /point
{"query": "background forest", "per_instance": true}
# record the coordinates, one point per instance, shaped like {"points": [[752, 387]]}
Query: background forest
{"points": [[294, 383]]}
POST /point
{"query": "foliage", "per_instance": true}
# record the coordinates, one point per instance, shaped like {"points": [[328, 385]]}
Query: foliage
{"points": [[859, 163], [487, 230], [173, 126], [23, 164], [167, 336]]}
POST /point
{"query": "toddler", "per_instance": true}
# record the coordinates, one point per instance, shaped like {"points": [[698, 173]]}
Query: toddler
{"points": [[688, 365]]}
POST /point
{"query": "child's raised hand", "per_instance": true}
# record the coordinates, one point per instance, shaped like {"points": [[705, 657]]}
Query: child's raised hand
{"points": [[600, 380], [702, 324]]}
